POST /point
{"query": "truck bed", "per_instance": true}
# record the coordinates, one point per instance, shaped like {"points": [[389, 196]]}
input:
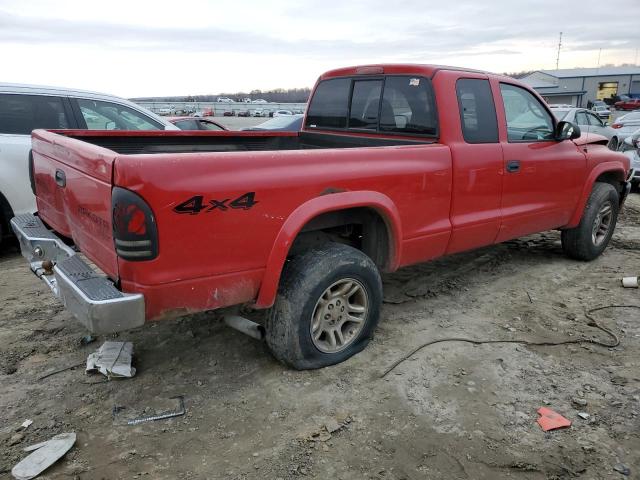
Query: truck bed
{"points": [[140, 142]]}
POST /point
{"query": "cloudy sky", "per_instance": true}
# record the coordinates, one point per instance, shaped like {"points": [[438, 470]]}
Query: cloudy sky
{"points": [[145, 48]]}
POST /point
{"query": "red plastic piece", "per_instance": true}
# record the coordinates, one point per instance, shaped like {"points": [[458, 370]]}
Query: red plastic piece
{"points": [[550, 420]]}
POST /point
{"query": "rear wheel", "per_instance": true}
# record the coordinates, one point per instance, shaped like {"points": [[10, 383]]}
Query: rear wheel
{"points": [[327, 308], [589, 239]]}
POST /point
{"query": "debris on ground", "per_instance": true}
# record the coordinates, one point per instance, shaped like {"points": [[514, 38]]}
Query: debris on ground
{"points": [[26, 424], [579, 402], [583, 415], [46, 454], [550, 420], [161, 416], [87, 339], [623, 469], [112, 359], [630, 282], [332, 425]]}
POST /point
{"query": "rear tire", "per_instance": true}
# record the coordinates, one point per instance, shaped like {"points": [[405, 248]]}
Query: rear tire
{"points": [[590, 238], [327, 308]]}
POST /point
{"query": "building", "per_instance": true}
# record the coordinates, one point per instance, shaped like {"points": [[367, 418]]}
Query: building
{"points": [[578, 86]]}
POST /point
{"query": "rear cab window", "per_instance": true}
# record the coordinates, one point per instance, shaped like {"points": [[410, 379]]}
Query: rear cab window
{"points": [[390, 105], [20, 114], [477, 111]]}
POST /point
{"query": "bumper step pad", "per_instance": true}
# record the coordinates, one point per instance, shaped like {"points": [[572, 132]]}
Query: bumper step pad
{"points": [[94, 286]]}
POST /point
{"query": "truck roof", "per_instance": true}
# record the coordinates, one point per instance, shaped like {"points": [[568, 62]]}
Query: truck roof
{"points": [[395, 68]]}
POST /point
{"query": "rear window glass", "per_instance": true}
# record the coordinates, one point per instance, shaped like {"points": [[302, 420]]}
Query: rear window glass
{"points": [[477, 111], [407, 105], [20, 114], [365, 102], [330, 104]]}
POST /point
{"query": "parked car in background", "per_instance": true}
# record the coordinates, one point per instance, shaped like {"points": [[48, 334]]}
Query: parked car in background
{"points": [[259, 100], [259, 112], [561, 105], [280, 113], [587, 120], [285, 123], [224, 100], [623, 127], [205, 112], [229, 113], [24, 108], [601, 111], [194, 123], [629, 104], [166, 111], [631, 148], [244, 113]]}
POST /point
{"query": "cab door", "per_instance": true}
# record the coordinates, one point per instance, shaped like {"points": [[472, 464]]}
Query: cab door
{"points": [[543, 177], [477, 162]]}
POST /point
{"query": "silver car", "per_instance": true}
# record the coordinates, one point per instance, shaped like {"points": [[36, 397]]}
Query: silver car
{"points": [[623, 127], [631, 148], [587, 120]]}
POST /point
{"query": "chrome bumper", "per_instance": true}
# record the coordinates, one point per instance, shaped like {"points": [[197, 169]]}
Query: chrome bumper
{"points": [[91, 298]]}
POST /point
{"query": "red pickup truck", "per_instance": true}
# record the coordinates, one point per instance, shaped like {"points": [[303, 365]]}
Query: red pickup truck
{"points": [[395, 164]]}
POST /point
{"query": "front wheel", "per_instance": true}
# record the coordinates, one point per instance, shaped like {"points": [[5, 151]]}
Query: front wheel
{"points": [[589, 239], [327, 307]]}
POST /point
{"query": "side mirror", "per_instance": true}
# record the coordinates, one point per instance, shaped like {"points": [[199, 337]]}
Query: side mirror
{"points": [[567, 131]]}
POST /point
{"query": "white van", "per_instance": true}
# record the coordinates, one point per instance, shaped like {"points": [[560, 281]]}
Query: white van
{"points": [[24, 108]]}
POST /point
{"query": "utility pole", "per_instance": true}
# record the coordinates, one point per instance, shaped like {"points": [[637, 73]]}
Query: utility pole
{"points": [[599, 53], [559, 46]]}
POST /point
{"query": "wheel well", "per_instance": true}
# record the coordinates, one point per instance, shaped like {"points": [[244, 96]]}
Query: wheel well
{"points": [[6, 213], [362, 228], [612, 178]]}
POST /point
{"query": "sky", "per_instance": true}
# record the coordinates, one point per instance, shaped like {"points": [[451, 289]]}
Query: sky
{"points": [[140, 48]]}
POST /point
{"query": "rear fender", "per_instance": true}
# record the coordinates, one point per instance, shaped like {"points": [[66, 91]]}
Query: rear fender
{"points": [[606, 167], [311, 209]]}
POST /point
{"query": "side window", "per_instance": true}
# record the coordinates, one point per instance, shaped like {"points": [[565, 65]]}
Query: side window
{"points": [[408, 106], [100, 115], [365, 102], [187, 125], [20, 114], [204, 125], [527, 119], [581, 118], [594, 121], [477, 111], [329, 105]]}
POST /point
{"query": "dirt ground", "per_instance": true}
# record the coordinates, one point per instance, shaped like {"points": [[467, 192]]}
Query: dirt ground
{"points": [[451, 411]]}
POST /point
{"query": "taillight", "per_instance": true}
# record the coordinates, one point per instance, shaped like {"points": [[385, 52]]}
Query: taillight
{"points": [[135, 233], [616, 125]]}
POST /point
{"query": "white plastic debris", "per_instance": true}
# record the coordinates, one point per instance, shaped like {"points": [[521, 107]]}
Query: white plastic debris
{"points": [[45, 454], [112, 359], [630, 282], [26, 423]]}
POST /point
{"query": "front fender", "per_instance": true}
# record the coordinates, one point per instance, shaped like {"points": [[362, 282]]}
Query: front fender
{"points": [[605, 167], [311, 209]]}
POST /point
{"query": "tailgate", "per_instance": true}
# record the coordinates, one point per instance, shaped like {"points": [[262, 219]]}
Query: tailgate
{"points": [[73, 188]]}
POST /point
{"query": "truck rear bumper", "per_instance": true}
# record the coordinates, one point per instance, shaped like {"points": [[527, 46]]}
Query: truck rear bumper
{"points": [[90, 297]]}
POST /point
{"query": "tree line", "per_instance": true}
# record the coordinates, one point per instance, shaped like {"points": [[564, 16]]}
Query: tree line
{"points": [[277, 95]]}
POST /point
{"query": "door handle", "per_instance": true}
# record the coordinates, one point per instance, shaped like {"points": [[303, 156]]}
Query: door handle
{"points": [[513, 166], [61, 178]]}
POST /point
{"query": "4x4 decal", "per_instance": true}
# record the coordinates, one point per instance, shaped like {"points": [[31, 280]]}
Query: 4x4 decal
{"points": [[197, 204]]}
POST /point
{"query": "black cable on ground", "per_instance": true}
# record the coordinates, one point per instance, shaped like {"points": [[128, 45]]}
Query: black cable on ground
{"points": [[592, 323]]}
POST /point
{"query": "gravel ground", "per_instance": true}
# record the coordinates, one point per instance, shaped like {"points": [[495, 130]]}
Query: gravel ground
{"points": [[451, 411]]}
